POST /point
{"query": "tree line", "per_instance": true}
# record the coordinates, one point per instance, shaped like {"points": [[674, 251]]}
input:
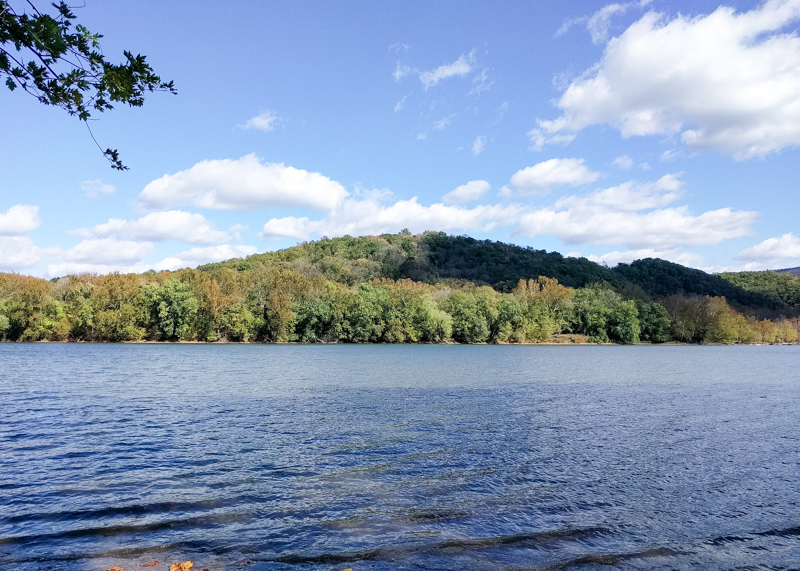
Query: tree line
{"points": [[432, 257], [277, 302]]}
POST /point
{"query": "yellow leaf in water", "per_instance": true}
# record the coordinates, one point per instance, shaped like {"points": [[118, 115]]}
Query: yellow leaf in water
{"points": [[183, 566], [116, 568]]}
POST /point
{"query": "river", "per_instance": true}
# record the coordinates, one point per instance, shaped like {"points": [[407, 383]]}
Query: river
{"points": [[265, 457]]}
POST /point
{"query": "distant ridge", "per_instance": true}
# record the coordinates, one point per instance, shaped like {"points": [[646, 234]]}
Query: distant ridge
{"points": [[793, 271], [436, 256]]}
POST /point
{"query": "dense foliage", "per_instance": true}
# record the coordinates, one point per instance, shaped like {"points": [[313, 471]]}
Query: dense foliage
{"points": [[659, 278], [782, 288], [435, 257], [276, 302]]}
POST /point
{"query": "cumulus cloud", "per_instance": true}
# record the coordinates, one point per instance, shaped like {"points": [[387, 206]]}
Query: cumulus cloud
{"points": [[108, 251], [242, 184], [19, 219], [198, 256], [95, 188], [370, 216], [689, 259], [542, 177], [635, 216], [669, 155], [18, 252], [478, 145], [772, 250], [630, 196], [265, 121], [71, 268], [473, 190], [459, 68], [624, 162], [188, 227], [98, 256], [727, 81], [639, 216]]}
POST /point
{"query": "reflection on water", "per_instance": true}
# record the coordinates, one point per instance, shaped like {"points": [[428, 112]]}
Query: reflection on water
{"points": [[418, 457]]}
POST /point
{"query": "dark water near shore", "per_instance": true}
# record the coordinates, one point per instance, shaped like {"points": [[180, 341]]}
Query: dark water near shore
{"points": [[382, 457]]}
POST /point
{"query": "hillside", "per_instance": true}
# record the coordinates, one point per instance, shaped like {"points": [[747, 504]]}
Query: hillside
{"points": [[434, 257], [430, 257], [660, 278], [781, 287], [793, 271]]}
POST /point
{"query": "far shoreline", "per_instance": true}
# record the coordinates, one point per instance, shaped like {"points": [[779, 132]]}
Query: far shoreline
{"points": [[299, 343]]}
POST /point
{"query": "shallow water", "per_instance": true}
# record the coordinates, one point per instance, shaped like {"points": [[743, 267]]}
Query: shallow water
{"points": [[399, 457]]}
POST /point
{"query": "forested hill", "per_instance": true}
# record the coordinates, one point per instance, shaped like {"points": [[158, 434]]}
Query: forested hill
{"points": [[434, 257], [660, 278], [781, 287], [793, 271], [429, 257]]}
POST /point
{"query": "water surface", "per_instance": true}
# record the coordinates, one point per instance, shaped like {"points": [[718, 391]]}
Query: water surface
{"points": [[399, 457]]}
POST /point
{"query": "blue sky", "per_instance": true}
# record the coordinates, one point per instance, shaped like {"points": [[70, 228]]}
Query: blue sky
{"points": [[612, 131]]}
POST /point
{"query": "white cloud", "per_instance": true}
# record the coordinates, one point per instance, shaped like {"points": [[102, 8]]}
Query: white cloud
{"points": [[599, 23], [458, 68], [689, 259], [624, 162], [481, 83], [473, 190], [98, 256], [370, 216], [772, 250], [726, 81], [400, 104], [265, 121], [635, 216], [237, 230], [421, 136], [198, 256], [638, 216], [442, 123], [242, 184], [17, 252], [71, 268], [542, 177], [669, 155], [94, 188], [19, 219], [401, 71], [186, 227], [629, 196], [398, 47], [108, 251], [478, 145]]}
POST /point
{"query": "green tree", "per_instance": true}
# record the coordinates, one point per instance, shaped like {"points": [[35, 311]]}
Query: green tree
{"points": [[653, 321], [118, 310], [171, 307], [469, 322], [236, 322], [365, 318], [623, 323], [63, 65], [592, 308]]}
